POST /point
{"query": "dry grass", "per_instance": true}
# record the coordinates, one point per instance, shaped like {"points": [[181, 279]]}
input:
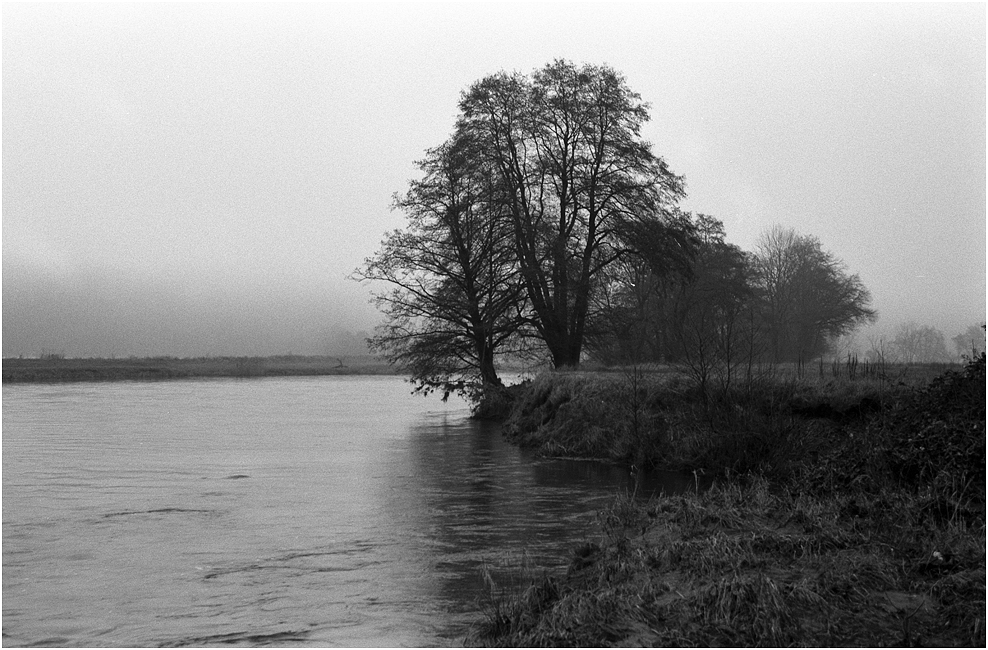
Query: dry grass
{"points": [[741, 566]]}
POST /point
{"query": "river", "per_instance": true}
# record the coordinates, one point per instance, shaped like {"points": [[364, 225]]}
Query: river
{"points": [[324, 511]]}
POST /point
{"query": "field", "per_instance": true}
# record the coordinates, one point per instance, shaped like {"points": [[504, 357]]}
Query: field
{"points": [[54, 369]]}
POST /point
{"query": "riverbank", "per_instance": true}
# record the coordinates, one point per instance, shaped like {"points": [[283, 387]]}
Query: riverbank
{"points": [[843, 513], [55, 369], [657, 418]]}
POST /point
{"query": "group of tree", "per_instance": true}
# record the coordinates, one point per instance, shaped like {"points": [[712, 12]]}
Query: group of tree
{"points": [[914, 343], [546, 226], [971, 342]]}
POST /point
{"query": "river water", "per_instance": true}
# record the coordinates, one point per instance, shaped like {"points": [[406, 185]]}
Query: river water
{"points": [[327, 511]]}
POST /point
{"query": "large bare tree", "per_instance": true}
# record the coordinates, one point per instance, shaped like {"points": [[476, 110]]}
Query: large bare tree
{"points": [[576, 174]]}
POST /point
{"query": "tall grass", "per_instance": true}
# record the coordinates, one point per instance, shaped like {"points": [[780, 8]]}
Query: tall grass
{"points": [[745, 564]]}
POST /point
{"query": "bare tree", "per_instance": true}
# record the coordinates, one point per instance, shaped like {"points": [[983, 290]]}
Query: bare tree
{"points": [[576, 172], [879, 351], [807, 295], [715, 322], [919, 344], [635, 311], [970, 342], [450, 292]]}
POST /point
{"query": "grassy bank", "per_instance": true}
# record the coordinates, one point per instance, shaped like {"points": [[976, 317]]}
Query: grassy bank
{"points": [[654, 417], [843, 514], [55, 369]]}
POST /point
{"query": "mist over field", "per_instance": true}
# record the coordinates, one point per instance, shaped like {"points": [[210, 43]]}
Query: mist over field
{"points": [[103, 315], [194, 180]]}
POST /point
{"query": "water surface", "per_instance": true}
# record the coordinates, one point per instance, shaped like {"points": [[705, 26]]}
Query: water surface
{"points": [[326, 511]]}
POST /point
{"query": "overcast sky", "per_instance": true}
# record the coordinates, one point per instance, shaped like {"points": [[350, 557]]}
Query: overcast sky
{"points": [[200, 179]]}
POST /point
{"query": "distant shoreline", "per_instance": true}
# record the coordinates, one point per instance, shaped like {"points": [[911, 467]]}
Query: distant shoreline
{"points": [[51, 370]]}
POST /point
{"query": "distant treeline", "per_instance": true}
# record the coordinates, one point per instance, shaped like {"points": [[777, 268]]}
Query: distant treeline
{"points": [[54, 368]]}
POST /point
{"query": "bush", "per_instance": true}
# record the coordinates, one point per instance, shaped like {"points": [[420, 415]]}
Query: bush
{"points": [[590, 416], [939, 434], [933, 438], [496, 403]]}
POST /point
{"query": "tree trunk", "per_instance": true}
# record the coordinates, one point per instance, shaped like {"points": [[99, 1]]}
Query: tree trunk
{"points": [[488, 374]]}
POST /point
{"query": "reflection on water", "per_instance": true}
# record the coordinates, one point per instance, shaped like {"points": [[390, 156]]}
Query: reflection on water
{"points": [[298, 511]]}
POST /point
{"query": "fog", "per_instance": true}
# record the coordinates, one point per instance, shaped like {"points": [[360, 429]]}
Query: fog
{"points": [[197, 179], [97, 313]]}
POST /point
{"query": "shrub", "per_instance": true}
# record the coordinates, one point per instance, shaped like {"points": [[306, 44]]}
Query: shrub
{"points": [[940, 432], [589, 415], [496, 403], [932, 438]]}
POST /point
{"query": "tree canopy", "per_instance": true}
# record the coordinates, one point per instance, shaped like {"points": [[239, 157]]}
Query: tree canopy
{"points": [[576, 175]]}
